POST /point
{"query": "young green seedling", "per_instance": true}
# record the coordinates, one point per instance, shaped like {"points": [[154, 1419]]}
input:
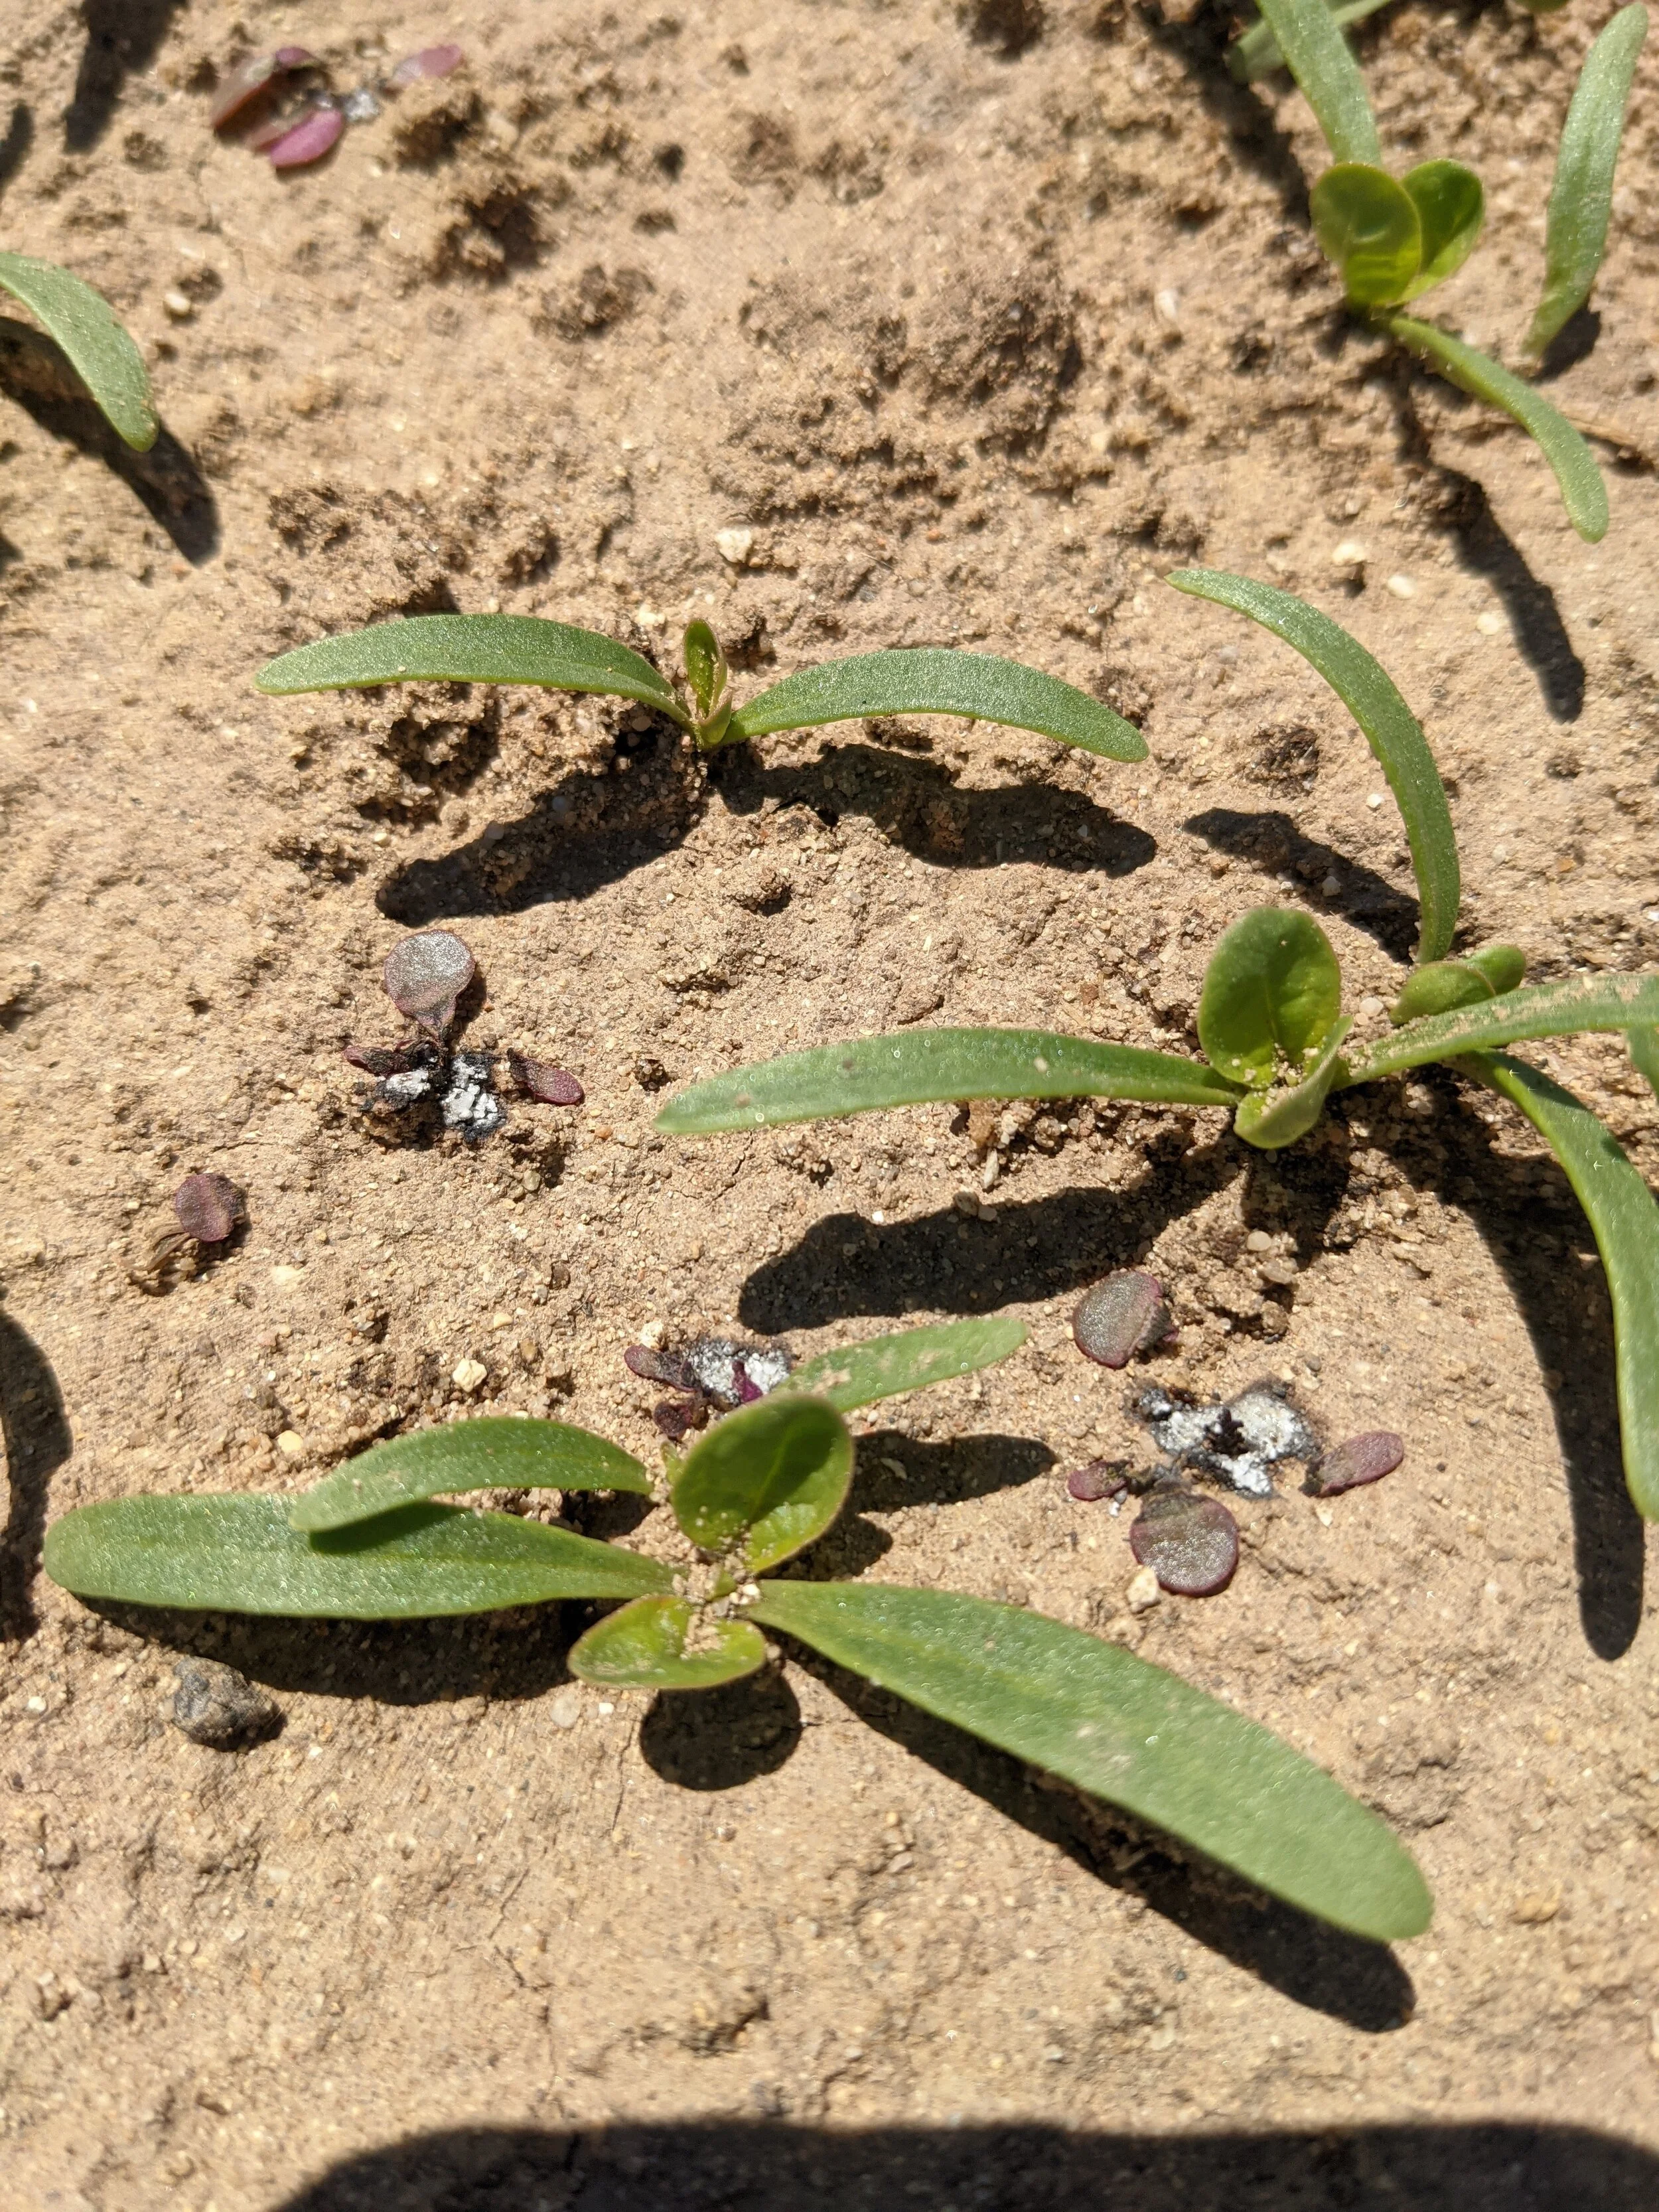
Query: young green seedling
{"points": [[1276, 1042], [1393, 239], [94, 345], [759, 1488], [526, 649]]}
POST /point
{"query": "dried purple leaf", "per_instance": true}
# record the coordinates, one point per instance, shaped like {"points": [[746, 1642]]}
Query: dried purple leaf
{"points": [[307, 140], [677, 1417], [554, 1086], [1097, 1478], [1124, 1314], [250, 78], [431, 61], [209, 1207], [651, 1365], [1356, 1461], [425, 974], [388, 1060], [1189, 1541]]}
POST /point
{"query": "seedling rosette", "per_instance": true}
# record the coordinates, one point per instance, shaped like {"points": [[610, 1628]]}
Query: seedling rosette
{"points": [[749, 1499], [1277, 1041]]}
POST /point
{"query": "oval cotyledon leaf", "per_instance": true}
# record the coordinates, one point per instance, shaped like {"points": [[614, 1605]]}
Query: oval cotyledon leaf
{"points": [[1125, 1730], [493, 1453], [1272, 995], [766, 1480], [667, 1643], [917, 1067], [240, 1554], [97, 347]]}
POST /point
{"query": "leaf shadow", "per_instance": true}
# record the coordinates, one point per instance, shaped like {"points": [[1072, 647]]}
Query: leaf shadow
{"points": [[1571, 1334], [1360, 1983], [1574, 341], [1253, 133], [15, 146], [122, 36], [35, 373], [1270, 841], [721, 1739], [894, 1470], [35, 1432]]}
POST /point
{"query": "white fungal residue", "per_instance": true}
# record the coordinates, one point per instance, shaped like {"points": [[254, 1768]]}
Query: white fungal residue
{"points": [[407, 1089], [1239, 1442], [766, 1368], [469, 1103]]}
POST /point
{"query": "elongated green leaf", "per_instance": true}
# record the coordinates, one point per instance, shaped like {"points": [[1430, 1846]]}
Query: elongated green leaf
{"points": [[1124, 1730], [1438, 989], [1504, 966], [1581, 198], [1317, 55], [98, 348], [706, 670], [910, 1359], [919, 1066], [1257, 54], [225, 1554], [1645, 1056], [492, 1454], [935, 681], [1272, 994], [1367, 224], [1391, 729], [1583, 492], [1538, 1010], [768, 1480], [1619, 1209], [667, 1643], [1450, 209], [472, 649], [1271, 1118]]}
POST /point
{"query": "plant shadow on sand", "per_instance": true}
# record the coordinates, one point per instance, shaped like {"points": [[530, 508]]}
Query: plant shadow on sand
{"points": [[1013, 2166]]}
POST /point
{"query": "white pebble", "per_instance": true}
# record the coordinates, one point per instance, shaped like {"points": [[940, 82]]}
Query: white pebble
{"points": [[1374, 800], [1489, 624], [1350, 554], [1402, 587], [179, 306], [468, 1374], [1143, 1593], [735, 546]]}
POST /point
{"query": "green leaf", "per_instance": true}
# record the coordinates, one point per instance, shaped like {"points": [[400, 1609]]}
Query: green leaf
{"points": [[96, 346], [1318, 58], [1582, 491], [1126, 1731], [492, 1454], [643, 1647], [1257, 54], [917, 1066], [1438, 989], [1539, 1010], [1450, 209], [472, 649], [706, 671], [1643, 1046], [1391, 729], [910, 1359], [1504, 966], [1367, 224], [1621, 1212], [226, 1554], [768, 1480], [1270, 1119], [1581, 198], [935, 681], [1272, 994]]}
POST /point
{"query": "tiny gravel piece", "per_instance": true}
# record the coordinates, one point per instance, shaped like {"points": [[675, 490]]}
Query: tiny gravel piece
{"points": [[554, 1086], [215, 1705], [1124, 1314], [1189, 1541], [1358, 1460], [1099, 1478], [209, 1207], [425, 974]]}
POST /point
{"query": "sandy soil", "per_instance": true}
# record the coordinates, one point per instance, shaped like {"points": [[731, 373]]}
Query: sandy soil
{"points": [[979, 321]]}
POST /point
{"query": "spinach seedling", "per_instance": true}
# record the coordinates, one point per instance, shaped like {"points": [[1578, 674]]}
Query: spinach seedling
{"points": [[1277, 1042], [366, 1543], [526, 649], [96, 346], [1392, 239]]}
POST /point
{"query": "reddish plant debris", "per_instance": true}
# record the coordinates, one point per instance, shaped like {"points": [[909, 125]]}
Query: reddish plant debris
{"points": [[388, 1059], [651, 1365], [1124, 1314], [425, 974], [1189, 1541], [712, 1371], [1099, 1478], [677, 1417], [1357, 1461], [251, 77], [298, 144], [553, 1086], [209, 1207], [431, 61]]}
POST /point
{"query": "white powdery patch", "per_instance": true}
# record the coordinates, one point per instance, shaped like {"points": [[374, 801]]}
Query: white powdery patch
{"points": [[1239, 1443], [766, 1370], [407, 1089], [469, 1103]]}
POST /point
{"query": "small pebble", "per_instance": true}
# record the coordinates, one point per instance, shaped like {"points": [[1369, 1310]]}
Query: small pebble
{"points": [[1143, 1593], [1358, 1460], [469, 1374], [215, 1705]]}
